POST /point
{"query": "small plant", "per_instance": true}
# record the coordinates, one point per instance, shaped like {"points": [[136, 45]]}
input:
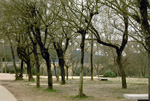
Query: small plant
{"points": [[109, 73], [118, 97]]}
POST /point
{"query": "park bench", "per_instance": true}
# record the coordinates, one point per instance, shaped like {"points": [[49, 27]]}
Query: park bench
{"points": [[103, 79], [138, 97]]}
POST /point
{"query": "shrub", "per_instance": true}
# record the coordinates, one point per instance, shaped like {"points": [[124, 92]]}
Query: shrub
{"points": [[18, 70], [12, 71], [34, 71], [77, 72], [109, 73]]}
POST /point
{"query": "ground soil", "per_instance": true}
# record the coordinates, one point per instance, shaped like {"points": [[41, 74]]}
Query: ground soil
{"points": [[95, 90]]}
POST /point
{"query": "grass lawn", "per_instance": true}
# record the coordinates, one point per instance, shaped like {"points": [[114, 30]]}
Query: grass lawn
{"points": [[95, 90]]}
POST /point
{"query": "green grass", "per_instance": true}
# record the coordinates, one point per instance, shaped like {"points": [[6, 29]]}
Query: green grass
{"points": [[118, 97], [80, 98]]}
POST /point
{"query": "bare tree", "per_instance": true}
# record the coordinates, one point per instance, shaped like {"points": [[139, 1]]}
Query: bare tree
{"points": [[139, 13], [79, 17], [119, 49]]}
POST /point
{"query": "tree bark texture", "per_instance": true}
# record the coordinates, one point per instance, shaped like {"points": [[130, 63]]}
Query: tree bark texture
{"points": [[61, 64], [21, 71], [81, 94], [13, 56], [122, 71], [37, 64], [67, 72], [46, 56], [60, 55], [56, 72], [29, 71], [149, 75], [91, 58], [143, 6]]}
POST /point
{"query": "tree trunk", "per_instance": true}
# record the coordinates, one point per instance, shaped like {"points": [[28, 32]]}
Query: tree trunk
{"points": [[46, 56], [56, 72], [13, 56], [122, 72], [60, 55], [67, 71], [37, 74], [50, 86], [1, 65], [30, 77], [21, 72], [149, 74], [81, 94], [72, 72], [148, 52], [143, 6], [61, 64], [37, 65], [91, 58]]}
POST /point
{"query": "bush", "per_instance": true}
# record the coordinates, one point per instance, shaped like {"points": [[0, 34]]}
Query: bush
{"points": [[34, 71], [12, 71], [109, 73], [77, 72]]}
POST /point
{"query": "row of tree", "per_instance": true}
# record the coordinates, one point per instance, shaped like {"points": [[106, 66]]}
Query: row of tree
{"points": [[37, 26]]}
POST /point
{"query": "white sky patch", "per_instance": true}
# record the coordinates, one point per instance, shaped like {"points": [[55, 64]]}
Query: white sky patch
{"points": [[88, 44], [99, 53], [63, 43], [123, 53], [137, 51], [95, 44], [76, 43], [78, 49]]}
